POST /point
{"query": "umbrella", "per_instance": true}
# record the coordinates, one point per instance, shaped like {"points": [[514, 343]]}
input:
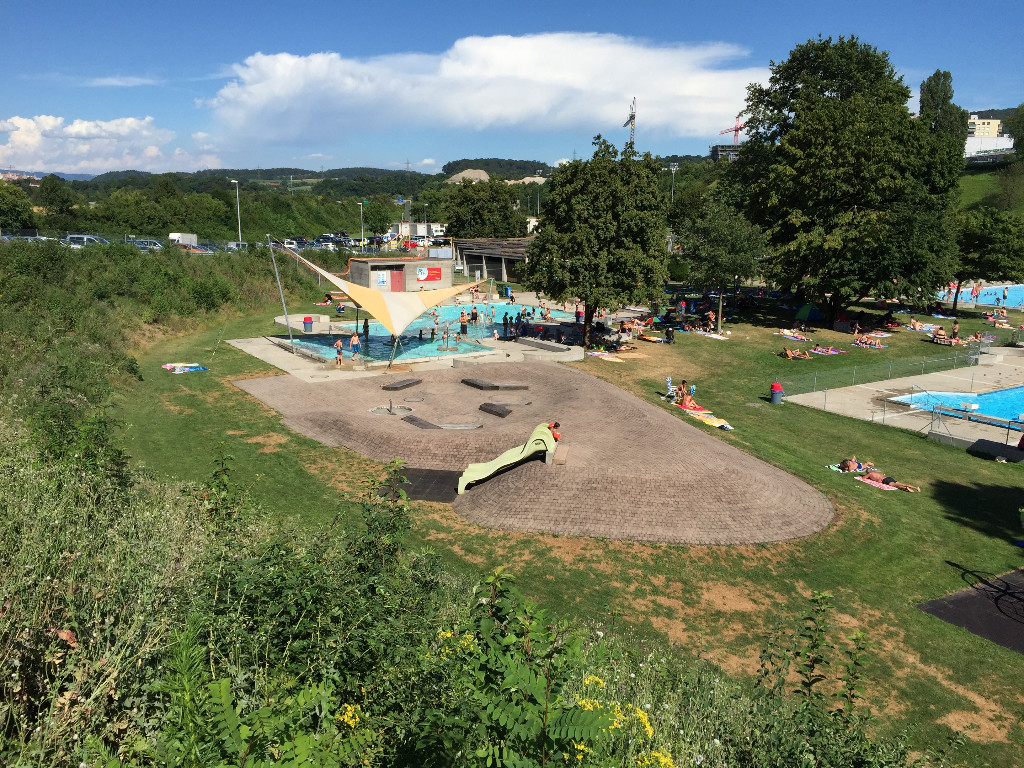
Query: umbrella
{"points": [[395, 311]]}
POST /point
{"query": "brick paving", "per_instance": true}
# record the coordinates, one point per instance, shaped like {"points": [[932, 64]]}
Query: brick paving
{"points": [[632, 470]]}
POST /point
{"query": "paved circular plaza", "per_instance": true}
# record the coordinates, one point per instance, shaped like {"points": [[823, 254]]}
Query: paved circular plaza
{"points": [[632, 470]]}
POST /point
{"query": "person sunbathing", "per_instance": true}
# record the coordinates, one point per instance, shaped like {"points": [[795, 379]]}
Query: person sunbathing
{"points": [[915, 325], [880, 477], [795, 354], [939, 333], [852, 465], [868, 341]]}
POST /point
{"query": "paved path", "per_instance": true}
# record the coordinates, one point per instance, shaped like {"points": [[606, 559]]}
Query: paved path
{"points": [[632, 471]]}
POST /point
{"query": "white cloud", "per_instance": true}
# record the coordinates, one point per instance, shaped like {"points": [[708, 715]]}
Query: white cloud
{"points": [[535, 82], [428, 161], [50, 143], [120, 81]]}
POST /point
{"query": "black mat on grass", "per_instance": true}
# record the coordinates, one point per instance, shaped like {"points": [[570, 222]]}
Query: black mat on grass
{"points": [[431, 484], [992, 607]]}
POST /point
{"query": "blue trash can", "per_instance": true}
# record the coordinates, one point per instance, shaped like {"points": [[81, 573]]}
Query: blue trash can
{"points": [[508, 291], [307, 324]]}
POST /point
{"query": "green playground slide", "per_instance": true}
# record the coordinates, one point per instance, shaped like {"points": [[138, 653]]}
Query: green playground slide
{"points": [[541, 439]]}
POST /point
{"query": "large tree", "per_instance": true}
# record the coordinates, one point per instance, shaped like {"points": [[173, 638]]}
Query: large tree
{"points": [[851, 190], [484, 209], [15, 207], [602, 234], [715, 242], [59, 201]]}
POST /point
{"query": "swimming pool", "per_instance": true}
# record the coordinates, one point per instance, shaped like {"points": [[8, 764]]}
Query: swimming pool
{"points": [[1001, 404], [1014, 295], [412, 345]]}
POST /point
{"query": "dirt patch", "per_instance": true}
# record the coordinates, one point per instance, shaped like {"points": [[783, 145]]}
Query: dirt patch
{"points": [[167, 401], [974, 726], [467, 556], [725, 597], [270, 442]]}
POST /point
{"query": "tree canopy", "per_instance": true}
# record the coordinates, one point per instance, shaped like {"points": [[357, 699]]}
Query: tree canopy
{"points": [[851, 190], [602, 232], [15, 208], [484, 209]]}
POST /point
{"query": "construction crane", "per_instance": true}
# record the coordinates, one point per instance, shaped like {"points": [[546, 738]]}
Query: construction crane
{"points": [[631, 120], [735, 131]]}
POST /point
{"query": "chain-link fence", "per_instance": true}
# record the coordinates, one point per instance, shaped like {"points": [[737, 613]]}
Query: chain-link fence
{"points": [[892, 369]]}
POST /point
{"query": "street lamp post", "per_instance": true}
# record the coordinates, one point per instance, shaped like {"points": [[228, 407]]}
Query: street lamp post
{"points": [[238, 210], [425, 232], [362, 247], [672, 195]]}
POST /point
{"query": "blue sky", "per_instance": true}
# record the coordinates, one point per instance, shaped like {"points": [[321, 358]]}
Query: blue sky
{"points": [[111, 85]]}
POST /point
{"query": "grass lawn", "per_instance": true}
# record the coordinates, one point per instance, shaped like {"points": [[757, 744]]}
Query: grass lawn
{"points": [[884, 552]]}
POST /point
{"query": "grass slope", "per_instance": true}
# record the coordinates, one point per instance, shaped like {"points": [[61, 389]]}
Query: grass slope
{"points": [[884, 553]]}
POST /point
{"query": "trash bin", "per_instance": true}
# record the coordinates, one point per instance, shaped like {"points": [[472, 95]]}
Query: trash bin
{"points": [[307, 324], [777, 393], [508, 291]]}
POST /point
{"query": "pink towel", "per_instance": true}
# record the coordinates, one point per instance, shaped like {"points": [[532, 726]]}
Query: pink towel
{"points": [[877, 484]]}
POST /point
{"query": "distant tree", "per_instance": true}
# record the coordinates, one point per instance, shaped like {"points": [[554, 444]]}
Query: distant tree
{"points": [[15, 208], [947, 129], [851, 191], [484, 209], [602, 236], [1014, 126], [717, 244], [132, 211], [378, 217], [1011, 187], [58, 201]]}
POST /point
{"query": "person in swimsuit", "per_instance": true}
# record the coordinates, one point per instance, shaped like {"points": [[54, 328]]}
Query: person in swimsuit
{"points": [[339, 345], [354, 345], [884, 479]]}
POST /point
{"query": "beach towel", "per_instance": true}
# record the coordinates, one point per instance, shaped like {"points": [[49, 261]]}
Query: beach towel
{"points": [[860, 468], [718, 336], [832, 352], [183, 367], [711, 420], [879, 334], [875, 483], [795, 338], [868, 346], [652, 339], [945, 317], [607, 356], [694, 409]]}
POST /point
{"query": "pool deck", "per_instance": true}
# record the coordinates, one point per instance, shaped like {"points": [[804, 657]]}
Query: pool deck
{"points": [[627, 469], [873, 402]]}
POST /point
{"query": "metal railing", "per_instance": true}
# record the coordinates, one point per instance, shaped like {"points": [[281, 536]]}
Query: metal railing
{"points": [[871, 372]]}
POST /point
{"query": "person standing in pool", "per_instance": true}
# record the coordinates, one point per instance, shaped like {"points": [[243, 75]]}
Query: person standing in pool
{"points": [[474, 316], [339, 345], [463, 323], [366, 331], [1006, 292], [354, 345], [504, 325]]}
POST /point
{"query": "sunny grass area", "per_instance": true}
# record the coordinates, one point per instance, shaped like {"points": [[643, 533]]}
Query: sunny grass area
{"points": [[884, 552]]}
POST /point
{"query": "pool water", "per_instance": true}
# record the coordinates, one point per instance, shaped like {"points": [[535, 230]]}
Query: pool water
{"points": [[1001, 404], [1014, 295], [412, 346]]}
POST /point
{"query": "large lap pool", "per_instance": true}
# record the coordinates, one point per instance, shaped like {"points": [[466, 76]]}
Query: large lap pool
{"points": [[1001, 404]]}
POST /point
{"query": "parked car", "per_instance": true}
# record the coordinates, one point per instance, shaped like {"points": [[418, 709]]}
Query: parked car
{"points": [[211, 247], [148, 245], [238, 246], [80, 241], [440, 241]]}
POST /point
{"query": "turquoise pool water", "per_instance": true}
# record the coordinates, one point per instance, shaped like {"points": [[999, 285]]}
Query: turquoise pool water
{"points": [[1002, 404], [412, 346], [1014, 295]]}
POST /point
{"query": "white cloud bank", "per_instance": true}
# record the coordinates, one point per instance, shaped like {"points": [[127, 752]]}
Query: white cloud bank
{"points": [[47, 142], [540, 83]]}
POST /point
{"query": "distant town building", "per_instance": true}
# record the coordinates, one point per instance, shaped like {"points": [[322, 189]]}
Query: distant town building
{"points": [[983, 127], [987, 149], [16, 176], [724, 152]]}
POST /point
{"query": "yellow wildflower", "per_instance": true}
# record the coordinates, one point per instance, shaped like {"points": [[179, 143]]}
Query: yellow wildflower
{"points": [[657, 759], [593, 680], [644, 721], [589, 704], [349, 715]]}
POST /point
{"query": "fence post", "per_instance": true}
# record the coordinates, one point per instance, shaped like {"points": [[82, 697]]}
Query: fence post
{"points": [[890, 369], [825, 406], [815, 385], [852, 383]]}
